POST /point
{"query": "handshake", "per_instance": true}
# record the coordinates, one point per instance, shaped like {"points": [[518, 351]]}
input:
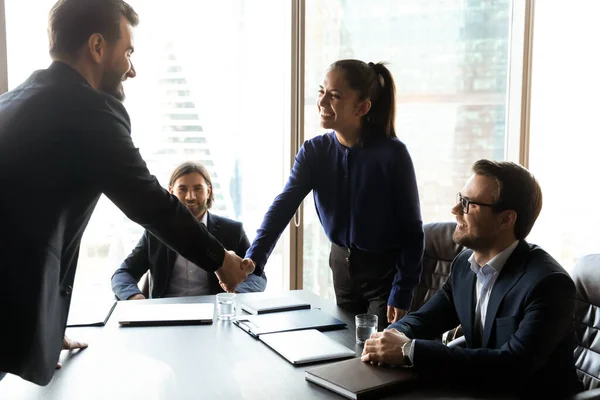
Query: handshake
{"points": [[234, 271]]}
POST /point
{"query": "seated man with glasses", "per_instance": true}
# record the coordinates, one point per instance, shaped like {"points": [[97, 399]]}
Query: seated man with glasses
{"points": [[171, 274], [514, 301]]}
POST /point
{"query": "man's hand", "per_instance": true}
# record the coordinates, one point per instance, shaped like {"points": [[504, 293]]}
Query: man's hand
{"points": [[395, 314], [232, 272], [69, 344], [138, 296], [385, 348]]}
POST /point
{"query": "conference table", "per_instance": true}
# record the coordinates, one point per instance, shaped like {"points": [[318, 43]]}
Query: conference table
{"points": [[217, 361]]}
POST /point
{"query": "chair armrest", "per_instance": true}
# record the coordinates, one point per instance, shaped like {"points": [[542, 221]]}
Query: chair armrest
{"points": [[144, 284], [592, 394]]}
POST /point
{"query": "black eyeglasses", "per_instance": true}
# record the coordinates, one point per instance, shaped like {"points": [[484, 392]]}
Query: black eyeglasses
{"points": [[464, 202]]}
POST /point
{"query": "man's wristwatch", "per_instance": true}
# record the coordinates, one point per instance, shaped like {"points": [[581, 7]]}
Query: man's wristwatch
{"points": [[406, 348]]}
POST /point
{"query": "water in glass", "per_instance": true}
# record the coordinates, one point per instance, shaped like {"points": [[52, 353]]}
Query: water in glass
{"points": [[364, 332], [225, 307]]}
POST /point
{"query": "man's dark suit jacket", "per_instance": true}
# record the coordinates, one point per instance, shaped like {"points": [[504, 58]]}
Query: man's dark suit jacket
{"points": [[528, 340], [63, 144], [151, 254]]}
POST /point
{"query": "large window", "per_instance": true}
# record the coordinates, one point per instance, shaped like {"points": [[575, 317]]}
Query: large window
{"points": [[449, 61], [564, 141], [212, 86]]}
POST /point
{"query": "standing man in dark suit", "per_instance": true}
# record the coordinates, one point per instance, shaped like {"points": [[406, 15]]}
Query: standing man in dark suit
{"points": [[514, 301], [171, 274], [66, 126]]}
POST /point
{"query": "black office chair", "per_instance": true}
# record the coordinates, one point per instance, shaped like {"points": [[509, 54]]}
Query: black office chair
{"points": [[586, 275], [440, 251]]}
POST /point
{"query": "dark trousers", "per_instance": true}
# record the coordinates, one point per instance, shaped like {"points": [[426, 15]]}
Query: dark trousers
{"points": [[362, 281]]}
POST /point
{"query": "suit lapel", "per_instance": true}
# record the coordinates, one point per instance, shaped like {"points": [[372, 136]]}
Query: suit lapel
{"points": [[213, 224], [214, 227], [509, 276], [161, 276], [464, 289], [469, 319]]}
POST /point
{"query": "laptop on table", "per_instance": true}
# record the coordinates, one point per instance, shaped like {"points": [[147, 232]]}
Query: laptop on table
{"points": [[148, 314]]}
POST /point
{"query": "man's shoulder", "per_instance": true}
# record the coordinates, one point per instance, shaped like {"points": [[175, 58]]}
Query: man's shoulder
{"points": [[225, 222], [101, 106], [536, 260], [540, 263], [69, 96]]}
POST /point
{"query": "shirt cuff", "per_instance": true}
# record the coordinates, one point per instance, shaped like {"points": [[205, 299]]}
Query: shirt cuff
{"points": [[410, 349], [253, 283]]}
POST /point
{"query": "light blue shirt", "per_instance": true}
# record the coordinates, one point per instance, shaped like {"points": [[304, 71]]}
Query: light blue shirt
{"points": [[486, 278]]}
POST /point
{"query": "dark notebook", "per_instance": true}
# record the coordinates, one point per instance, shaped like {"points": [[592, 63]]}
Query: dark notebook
{"points": [[355, 379], [90, 313], [314, 318], [273, 304]]}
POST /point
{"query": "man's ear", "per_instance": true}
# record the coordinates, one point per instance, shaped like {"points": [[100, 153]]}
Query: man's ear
{"points": [[97, 47], [508, 219], [171, 189], [364, 108]]}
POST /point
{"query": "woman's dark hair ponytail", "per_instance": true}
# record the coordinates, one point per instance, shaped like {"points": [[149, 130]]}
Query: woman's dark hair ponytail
{"points": [[375, 82]]}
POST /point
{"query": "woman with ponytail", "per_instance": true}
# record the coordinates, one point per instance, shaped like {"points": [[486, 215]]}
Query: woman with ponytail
{"points": [[365, 192]]}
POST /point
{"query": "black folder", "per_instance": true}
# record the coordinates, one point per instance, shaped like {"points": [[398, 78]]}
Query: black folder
{"points": [[358, 380], [267, 305], [314, 318]]}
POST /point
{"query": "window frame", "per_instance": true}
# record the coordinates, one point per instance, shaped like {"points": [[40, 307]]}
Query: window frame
{"points": [[3, 50]]}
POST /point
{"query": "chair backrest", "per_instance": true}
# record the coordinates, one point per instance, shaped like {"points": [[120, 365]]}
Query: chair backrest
{"points": [[440, 251], [586, 275]]}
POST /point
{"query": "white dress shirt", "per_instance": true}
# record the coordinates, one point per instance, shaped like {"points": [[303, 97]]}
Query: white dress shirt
{"points": [[187, 279]]}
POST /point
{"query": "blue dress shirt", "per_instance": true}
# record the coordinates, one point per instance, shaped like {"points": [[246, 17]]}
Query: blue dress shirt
{"points": [[366, 198]]}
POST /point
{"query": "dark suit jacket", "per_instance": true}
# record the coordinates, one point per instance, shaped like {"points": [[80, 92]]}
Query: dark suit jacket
{"points": [[62, 144], [528, 341], [151, 254]]}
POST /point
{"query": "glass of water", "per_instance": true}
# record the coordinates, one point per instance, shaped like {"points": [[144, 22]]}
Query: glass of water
{"points": [[366, 324], [225, 306]]}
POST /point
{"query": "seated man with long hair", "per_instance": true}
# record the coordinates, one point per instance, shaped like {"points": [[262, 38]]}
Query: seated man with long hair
{"points": [[171, 274]]}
